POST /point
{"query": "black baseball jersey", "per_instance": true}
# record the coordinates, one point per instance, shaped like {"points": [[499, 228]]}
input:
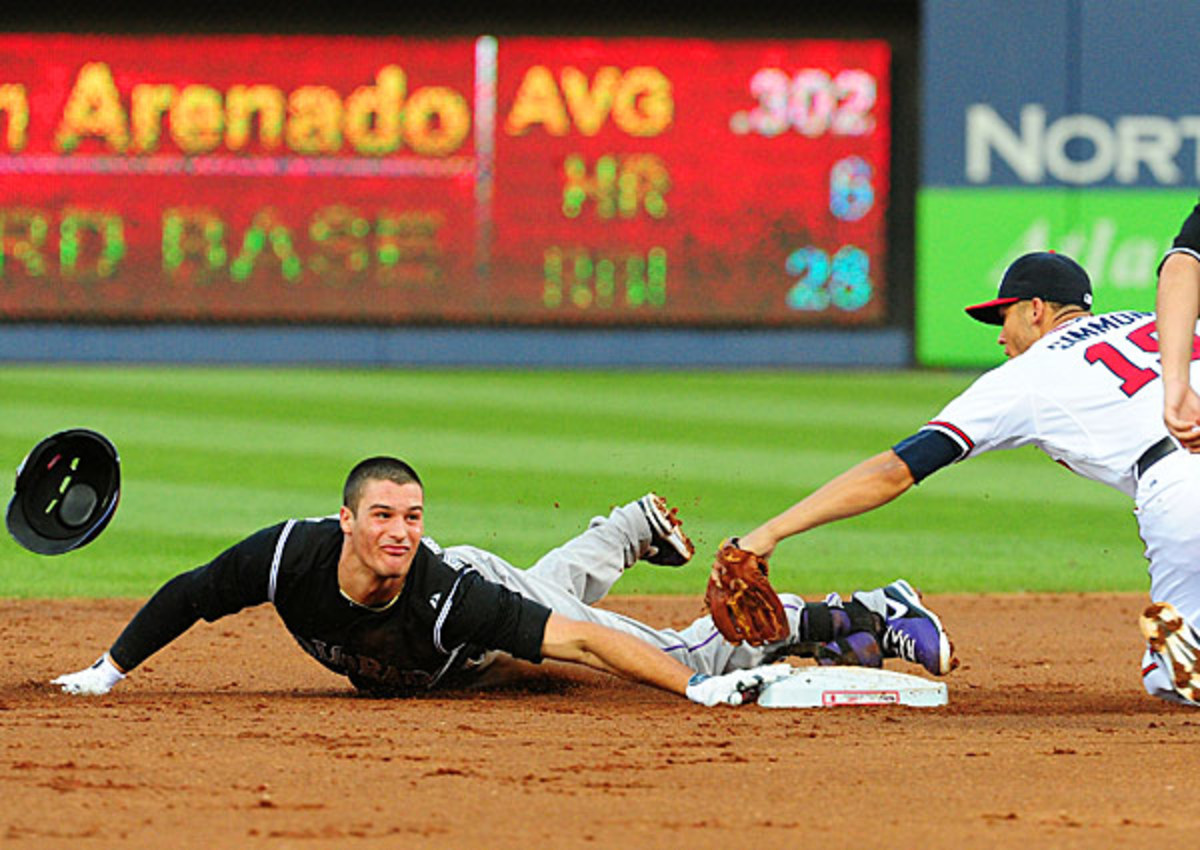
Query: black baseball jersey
{"points": [[436, 629]]}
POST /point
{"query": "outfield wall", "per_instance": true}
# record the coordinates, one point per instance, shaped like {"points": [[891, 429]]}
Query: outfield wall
{"points": [[1062, 124], [1068, 125], [500, 347]]}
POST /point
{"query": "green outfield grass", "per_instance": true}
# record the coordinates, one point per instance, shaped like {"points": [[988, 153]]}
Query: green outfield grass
{"points": [[519, 461]]}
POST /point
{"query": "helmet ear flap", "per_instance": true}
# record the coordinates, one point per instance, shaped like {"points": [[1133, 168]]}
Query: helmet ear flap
{"points": [[66, 492]]}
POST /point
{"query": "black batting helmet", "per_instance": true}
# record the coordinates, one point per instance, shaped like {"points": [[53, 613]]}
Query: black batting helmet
{"points": [[66, 491]]}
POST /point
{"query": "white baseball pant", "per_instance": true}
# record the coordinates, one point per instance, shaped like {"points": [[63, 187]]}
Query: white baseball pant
{"points": [[1166, 502]]}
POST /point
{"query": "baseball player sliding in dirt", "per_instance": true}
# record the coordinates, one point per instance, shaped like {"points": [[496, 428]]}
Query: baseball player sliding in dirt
{"points": [[373, 599], [1084, 389]]}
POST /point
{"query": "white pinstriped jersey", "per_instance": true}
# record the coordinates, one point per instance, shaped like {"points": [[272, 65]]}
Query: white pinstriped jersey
{"points": [[1088, 394]]}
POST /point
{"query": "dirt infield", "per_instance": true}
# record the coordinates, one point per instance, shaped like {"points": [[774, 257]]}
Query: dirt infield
{"points": [[233, 738]]}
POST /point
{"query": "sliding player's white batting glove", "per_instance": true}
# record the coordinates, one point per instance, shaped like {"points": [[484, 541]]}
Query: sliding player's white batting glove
{"points": [[736, 688], [95, 680]]}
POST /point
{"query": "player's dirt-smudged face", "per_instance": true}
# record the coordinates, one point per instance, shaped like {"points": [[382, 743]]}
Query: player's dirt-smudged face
{"points": [[386, 526]]}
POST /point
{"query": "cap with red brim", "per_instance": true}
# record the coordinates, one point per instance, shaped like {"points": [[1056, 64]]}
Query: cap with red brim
{"points": [[1043, 274], [989, 311]]}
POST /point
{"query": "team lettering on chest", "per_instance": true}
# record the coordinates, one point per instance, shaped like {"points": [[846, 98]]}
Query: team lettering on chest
{"points": [[336, 658]]}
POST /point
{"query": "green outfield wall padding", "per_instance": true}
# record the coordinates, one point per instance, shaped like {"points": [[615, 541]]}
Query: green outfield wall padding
{"points": [[966, 238]]}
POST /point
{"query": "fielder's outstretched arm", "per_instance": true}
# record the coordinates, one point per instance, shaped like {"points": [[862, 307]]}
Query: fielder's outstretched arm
{"points": [[602, 648], [874, 482], [1177, 309]]}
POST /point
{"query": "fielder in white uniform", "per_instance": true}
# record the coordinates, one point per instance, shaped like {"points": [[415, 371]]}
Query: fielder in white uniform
{"points": [[1168, 627], [1083, 388]]}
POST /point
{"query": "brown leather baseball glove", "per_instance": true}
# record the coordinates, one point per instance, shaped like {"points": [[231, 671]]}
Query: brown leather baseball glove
{"points": [[743, 604]]}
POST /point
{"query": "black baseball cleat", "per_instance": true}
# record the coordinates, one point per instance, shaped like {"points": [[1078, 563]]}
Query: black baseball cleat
{"points": [[669, 546]]}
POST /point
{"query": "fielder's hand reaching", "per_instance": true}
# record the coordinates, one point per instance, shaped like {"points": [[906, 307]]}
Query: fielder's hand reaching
{"points": [[736, 688], [1181, 413], [739, 596], [93, 681]]}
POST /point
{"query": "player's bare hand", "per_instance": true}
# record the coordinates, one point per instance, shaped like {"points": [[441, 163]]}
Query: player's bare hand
{"points": [[1181, 415], [757, 541], [91, 681]]}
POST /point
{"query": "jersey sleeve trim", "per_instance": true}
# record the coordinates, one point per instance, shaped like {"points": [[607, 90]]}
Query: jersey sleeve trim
{"points": [[927, 451], [277, 559], [1188, 240], [444, 613], [437, 677], [1195, 255], [955, 433]]}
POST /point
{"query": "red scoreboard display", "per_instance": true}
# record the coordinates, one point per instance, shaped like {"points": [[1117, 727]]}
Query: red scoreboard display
{"points": [[522, 180]]}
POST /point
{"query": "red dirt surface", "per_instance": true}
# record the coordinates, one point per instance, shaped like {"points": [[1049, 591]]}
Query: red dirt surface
{"points": [[233, 738]]}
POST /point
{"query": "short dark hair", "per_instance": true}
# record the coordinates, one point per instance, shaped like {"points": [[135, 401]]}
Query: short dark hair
{"points": [[380, 468]]}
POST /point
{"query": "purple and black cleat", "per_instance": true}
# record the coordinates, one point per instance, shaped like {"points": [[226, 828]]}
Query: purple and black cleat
{"points": [[859, 649], [913, 632]]}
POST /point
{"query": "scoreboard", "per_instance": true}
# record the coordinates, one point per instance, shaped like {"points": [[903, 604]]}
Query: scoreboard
{"points": [[527, 180]]}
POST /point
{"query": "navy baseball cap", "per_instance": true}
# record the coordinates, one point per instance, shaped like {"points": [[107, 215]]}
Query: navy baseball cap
{"points": [[1042, 274], [66, 492]]}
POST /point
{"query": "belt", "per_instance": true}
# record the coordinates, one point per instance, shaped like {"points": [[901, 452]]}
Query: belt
{"points": [[1154, 454]]}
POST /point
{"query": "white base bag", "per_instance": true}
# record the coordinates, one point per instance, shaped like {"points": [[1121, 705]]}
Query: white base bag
{"points": [[830, 687]]}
